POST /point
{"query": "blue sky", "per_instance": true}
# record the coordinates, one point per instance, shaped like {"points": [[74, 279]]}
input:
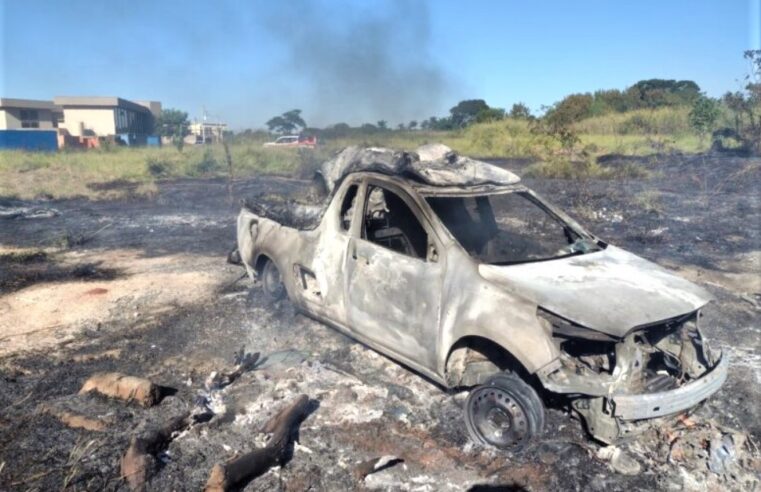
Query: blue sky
{"points": [[245, 61]]}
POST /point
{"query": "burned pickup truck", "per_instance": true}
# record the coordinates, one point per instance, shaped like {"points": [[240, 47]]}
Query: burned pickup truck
{"points": [[455, 269]]}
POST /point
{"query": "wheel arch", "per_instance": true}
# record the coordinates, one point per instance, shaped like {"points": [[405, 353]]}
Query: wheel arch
{"points": [[473, 359], [259, 262]]}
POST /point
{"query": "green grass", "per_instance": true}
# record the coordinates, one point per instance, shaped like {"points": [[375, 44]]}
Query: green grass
{"points": [[78, 172], [507, 138], [644, 144], [661, 121]]}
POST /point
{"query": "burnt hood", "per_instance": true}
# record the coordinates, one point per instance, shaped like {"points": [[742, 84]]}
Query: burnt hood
{"points": [[611, 291]]}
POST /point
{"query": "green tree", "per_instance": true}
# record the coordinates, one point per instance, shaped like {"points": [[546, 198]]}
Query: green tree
{"points": [[753, 88], [382, 125], [434, 123], [613, 100], [519, 111], [704, 114], [491, 114], [654, 93], [172, 123], [465, 112], [570, 109], [288, 122], [412, 125], [739, 105], [339, 130]]}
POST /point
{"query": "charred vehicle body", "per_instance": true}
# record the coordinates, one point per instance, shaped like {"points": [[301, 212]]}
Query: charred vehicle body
{"points": [[454, 268]]}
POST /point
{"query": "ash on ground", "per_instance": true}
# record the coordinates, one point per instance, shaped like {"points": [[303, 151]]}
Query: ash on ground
{"points": [[169, 309]]}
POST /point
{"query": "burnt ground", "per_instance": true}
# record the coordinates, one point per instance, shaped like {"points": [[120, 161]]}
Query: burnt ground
{"points": [[141, 286]]}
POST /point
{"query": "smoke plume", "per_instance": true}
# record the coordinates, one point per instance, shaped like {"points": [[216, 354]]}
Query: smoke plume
{"points": [[357, 64]]}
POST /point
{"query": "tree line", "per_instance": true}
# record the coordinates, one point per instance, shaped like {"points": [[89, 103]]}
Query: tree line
{"points": [[744, 106]]}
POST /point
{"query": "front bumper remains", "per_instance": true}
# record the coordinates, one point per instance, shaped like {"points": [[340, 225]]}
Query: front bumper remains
{"points": [[652, 405], [615, 416]]}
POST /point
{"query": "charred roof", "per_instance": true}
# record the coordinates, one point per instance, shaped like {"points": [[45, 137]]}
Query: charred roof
{"points": [[434, 165]]}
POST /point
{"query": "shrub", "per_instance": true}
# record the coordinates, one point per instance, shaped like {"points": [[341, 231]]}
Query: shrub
{"points": [[704, 115], [636, 124], [649, 201], [571, 109], [207, 165], [309, 163], [156, 167], [179, 143], [33, 165], [561, 167]]}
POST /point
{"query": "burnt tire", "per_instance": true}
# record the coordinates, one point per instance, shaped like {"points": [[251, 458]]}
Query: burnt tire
{"points": [[505, 413], [272, 282], [233, 257]]}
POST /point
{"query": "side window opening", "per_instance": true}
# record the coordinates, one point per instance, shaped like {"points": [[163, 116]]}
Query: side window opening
{"points": [[347, 207], [390, 223]]}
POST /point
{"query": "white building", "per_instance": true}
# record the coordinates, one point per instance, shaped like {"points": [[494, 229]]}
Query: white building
{"points": [[107, 116], [29, 114], [205, 132]]}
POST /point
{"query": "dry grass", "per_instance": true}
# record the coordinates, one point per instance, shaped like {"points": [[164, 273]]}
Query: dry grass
{"points": [[65, 174], [649, 201], [84, 173]]}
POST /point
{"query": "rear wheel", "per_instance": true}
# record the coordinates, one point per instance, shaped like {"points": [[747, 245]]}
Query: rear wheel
{"points": [[504, 412], [272, 282], [233, 257]]}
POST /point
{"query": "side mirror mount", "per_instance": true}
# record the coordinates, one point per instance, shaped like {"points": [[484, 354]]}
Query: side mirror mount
{"points": [[433, 254]]}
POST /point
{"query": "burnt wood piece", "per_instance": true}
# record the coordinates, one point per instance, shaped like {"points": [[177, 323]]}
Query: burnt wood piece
{"points": [[245, 468]]}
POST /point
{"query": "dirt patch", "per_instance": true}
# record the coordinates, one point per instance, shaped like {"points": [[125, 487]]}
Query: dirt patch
{"points": [[96, 291], [51, 312]]}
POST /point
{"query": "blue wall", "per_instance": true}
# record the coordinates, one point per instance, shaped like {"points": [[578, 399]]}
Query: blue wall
{"points": [[29, 140]]}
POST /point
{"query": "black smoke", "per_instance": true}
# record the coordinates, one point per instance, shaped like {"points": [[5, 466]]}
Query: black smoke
{"points": [[354, 63]]}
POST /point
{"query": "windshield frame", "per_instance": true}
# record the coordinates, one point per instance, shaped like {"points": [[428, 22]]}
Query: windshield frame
{"points": [[554, 212]]}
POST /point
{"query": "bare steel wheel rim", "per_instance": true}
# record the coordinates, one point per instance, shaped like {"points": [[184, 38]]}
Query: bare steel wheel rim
{"points": [[273, 282], [498, 418]]}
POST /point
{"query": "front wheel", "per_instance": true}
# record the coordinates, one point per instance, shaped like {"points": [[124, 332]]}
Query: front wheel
{"points": [[272, 282], [504, 412]]}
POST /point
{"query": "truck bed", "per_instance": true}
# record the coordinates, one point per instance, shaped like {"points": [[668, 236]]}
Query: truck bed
{"points": [[288, 212]]}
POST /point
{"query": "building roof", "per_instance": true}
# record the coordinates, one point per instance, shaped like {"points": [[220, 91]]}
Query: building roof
{"points": [[206, 123], [154, 106], [98, 102], [7, 102]]}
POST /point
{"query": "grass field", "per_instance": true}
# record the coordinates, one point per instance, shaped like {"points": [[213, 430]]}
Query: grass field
{"points": [[82, 173]]}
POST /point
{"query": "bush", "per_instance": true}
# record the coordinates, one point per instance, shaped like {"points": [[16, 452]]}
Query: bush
{"points": [[179, 143], [571, 109], [309, 163], [207, 165], [663, 121], [649, 201], [636, 124], [704, 114], [156, 167], [561, 167], [33, 165]]}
